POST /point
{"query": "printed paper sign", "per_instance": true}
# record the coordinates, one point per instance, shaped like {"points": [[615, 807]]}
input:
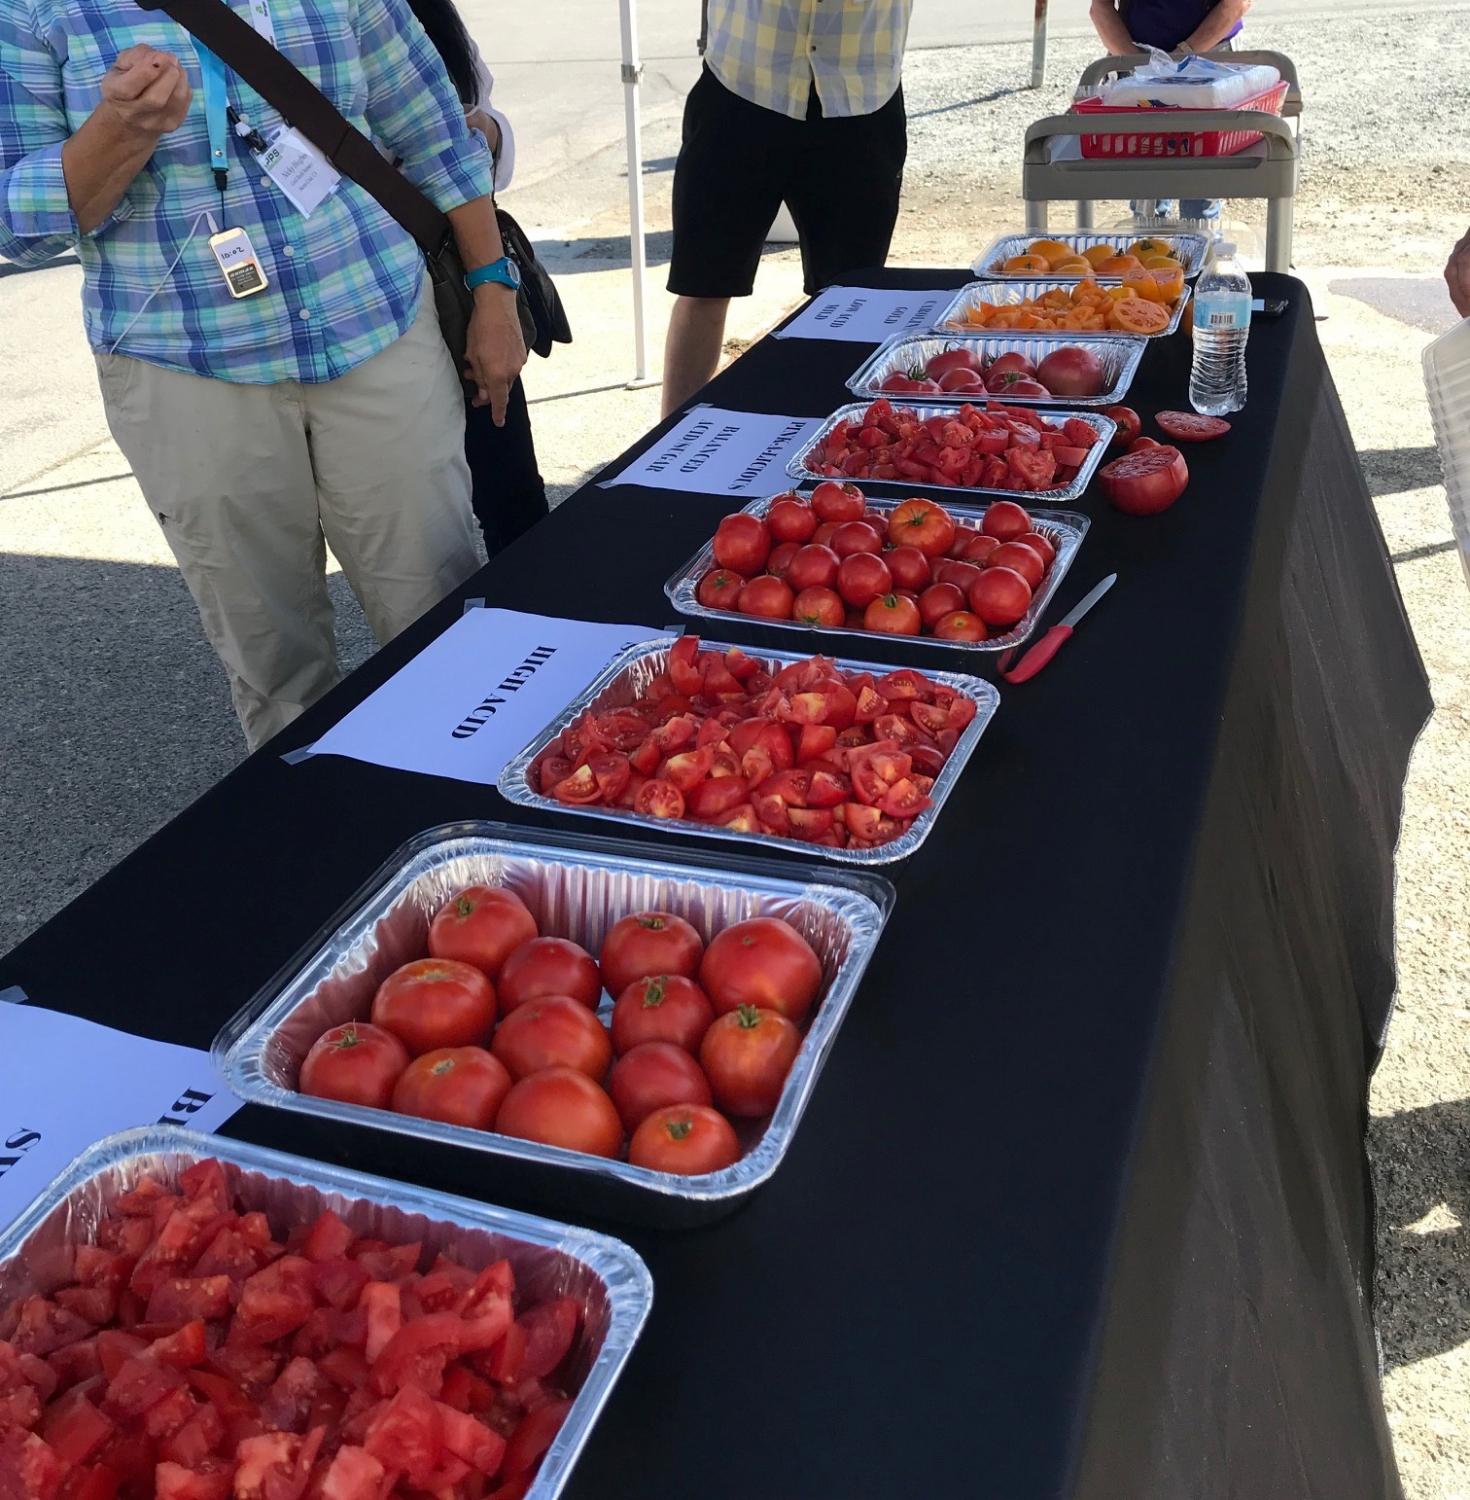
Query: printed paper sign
{"points": [[65, 1083], [478, 694], [866, 315], [719, 452]]}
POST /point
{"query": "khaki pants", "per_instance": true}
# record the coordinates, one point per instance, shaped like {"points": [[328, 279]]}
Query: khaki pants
{"points": [[251, 482]]}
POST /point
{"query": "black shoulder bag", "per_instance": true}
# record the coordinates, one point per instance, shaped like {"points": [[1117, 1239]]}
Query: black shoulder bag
{"points": [[283, 86]]}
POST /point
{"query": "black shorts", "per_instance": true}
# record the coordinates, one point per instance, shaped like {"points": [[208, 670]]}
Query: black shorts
{"points": [[841, 178]]}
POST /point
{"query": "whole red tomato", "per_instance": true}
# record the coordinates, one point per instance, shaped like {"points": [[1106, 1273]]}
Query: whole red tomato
{"points": [[1071, 371], [960, 358], [910, 568], [549, 966], [960, 574], [742, 544], [767, 596], [1129, 425], [1041, 546], [780, 558], [791, 519], [1019, 557], [960, 626], [720, 589], [836, 501], [651, 1075], [822, 536], [819, 607], [648, 942], [763, 962], [562, 1107], [1000, 596], [979, 547], [938, 600], [435, 1002], [1006, 521], [862, 577], [921, 524], [1010, 360], [687, 1139], [855, 536], [553, 1032], [1145, 482], [893, 614], [813, 567], [355, 1063], [481, 925], [746, 1056], [661, 1008], [459, 1085]]}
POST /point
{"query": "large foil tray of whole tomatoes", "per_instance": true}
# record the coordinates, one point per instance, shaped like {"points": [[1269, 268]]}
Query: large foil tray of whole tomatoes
{"points": [[909, 352], [1007, 293], [803, 463], [1064, 529], [607, 1281], [577, 889], [1189, 250], [631, 673]]}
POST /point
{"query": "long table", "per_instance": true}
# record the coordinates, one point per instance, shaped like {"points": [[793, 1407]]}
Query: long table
{"points": [[1081, 1206]]}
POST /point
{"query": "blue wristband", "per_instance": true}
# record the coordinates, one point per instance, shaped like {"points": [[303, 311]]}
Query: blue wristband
{"points": [[504, 271]]}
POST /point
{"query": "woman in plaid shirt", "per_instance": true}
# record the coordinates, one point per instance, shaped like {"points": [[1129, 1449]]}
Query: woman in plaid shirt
{"points": [[800, 101], [323, 410]]}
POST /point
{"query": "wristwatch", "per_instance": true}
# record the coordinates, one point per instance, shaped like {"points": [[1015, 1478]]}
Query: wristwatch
{"points": [[504, 271]]}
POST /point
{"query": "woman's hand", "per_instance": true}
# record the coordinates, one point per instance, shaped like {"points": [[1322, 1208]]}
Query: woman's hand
{"points": [[494, 349]]}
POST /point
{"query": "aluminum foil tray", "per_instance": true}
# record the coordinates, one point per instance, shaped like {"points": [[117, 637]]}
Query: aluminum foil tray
{"points": [[631, 672], [575, 889], [1191, 249], [1105, 427], [1008, 293], [603, 1274], [1120, 357], [1064, 529]]}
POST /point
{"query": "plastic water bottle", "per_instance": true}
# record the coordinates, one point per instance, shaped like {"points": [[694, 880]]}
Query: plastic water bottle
{"points": [[1222, 324]]}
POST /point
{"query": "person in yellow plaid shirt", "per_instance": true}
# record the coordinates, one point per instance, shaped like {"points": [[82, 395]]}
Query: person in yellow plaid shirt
{"points": [[800, 101]]}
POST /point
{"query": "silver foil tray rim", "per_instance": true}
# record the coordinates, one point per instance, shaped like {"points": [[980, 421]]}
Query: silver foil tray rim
{"points": [[258, 1051], [607, 1276], [647, 659]]}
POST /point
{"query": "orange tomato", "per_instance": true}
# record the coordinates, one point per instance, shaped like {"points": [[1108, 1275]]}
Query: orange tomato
{"points": [[1118, 264], [1026, 265]]}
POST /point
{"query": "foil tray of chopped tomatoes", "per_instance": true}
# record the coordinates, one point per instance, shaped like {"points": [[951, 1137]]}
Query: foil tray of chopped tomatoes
{"points": [[567, 1019], [192, 1318], [853, 760], [986, 447], [1139, 306]]}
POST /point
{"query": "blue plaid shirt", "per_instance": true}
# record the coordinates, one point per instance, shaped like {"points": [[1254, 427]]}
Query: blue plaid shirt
{"points": [[343, 283]]}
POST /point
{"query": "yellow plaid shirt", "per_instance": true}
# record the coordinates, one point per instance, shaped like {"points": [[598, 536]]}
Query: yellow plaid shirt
{"points": [[770, 51]]}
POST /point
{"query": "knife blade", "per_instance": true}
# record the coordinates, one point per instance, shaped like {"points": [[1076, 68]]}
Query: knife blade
{"points": [[1048, 646]]}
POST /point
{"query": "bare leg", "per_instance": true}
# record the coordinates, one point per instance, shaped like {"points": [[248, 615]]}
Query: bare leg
{"points": [[692, 349]]}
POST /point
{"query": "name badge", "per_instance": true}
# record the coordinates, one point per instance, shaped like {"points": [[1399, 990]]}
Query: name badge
{"points": [[301, 172], [239, 262]]}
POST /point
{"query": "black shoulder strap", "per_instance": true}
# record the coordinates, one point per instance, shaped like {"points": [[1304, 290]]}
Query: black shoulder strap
{"points": [[282, 85]]}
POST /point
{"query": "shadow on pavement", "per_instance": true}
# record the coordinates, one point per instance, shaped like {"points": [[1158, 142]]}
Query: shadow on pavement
{"points": [[1421, 1162], [116, 716], [1396, 471]]}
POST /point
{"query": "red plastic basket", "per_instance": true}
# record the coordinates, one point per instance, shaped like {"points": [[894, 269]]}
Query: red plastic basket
{"points": [[1174, 143]]}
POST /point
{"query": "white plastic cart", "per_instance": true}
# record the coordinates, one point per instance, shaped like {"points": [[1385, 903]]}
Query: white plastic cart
{"points": [[1053, 167]]}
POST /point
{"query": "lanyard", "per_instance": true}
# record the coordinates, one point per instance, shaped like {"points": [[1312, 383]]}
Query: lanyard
{"points": [[212, 71]]}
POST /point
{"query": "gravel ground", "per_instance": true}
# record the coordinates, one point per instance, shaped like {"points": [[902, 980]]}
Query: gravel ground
{"points": [[116, 716]]}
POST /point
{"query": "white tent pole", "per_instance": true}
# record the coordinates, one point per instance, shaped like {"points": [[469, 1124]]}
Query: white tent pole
{"points": [[632, 79]]}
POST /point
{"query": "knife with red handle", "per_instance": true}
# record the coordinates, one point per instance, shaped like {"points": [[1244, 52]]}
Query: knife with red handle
{"points": [[1048, 646]]}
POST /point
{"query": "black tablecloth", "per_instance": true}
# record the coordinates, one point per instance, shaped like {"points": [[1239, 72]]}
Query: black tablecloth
{"points": [[1080, 1205]]}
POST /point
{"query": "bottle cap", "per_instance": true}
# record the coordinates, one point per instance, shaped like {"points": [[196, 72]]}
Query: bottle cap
{"points": [[1223, 248]]}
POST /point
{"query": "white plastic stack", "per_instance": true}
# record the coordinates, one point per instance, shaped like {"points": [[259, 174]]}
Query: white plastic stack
{"points": [[1447, 381], [1192, 82]]}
